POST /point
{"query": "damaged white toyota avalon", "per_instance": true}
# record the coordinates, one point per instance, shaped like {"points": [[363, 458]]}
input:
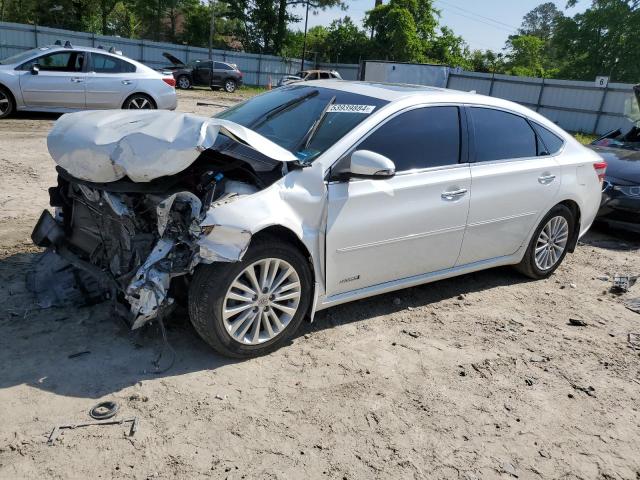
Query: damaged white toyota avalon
{"points": [[303, 198]]}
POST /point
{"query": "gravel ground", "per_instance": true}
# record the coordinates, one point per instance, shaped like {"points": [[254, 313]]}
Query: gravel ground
{"points": [[477, 377]]}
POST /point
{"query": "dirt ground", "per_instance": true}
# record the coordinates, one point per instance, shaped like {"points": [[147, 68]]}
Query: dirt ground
{"points": [[478, 377]]}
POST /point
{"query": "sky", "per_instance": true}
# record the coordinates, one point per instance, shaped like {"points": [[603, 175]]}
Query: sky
{"points": [[484, 24]]}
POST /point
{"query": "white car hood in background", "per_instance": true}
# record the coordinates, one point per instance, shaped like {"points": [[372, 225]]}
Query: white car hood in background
{"points": [[105, 146]]}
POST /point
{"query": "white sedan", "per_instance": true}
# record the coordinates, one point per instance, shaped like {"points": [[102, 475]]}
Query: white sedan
{"points": [[311, 196], [67, 78]]}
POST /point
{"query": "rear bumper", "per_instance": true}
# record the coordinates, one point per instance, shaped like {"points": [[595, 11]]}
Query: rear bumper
{"points": [[167, 100]]}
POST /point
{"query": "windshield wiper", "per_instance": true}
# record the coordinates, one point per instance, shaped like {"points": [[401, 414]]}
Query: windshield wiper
{"points": [[306, 140], [269, 114]]}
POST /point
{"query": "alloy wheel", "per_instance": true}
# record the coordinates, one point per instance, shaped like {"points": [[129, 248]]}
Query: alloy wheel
{"points": [[230, 86], [551, 242], [261, 301], [140, 103], [4, 103], [184, 83]]}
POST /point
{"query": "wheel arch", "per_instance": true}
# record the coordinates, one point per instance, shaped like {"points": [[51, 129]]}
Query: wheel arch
{"points": [[577, 216], [13, 97], [289, 236]]}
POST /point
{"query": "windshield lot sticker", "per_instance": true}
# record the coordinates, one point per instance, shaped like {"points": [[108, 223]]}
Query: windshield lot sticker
{"points": [[346, 108]]}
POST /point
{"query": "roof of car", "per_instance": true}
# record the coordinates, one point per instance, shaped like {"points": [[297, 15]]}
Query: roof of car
{"points": [[383, 91], [392, 92]]}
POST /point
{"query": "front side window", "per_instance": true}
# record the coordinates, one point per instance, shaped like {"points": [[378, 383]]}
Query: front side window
{"points": [[67, 61], [420, 138], [287, 116], [324, 75], [501, 135], [107, 64]]}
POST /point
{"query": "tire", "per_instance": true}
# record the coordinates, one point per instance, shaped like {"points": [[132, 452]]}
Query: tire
{"points": [[7, 104], [230, 85], [212, 284], [183, 82], [560, 223], [139, 101]]}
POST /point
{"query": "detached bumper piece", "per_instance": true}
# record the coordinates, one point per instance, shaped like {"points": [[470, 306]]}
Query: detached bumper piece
{"points": [[59, 277]]}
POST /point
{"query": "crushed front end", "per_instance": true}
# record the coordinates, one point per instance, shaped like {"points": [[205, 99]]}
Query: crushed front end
{"points": [[132, 193]]}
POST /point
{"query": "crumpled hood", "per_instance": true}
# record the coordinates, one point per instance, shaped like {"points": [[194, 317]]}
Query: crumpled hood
{"points": [[105, 146]]}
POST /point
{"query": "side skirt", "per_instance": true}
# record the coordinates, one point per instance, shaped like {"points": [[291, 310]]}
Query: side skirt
{"points": [[394, 285]]}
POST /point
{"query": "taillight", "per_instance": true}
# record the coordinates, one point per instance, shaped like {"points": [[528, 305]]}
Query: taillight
{"points": [[240, 73], [601, 168], [169, 81]]}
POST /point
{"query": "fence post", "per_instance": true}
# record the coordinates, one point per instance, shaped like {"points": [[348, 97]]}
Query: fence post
{"points": [[93, 39], [259, 70], [35, 33], [539, 102], [141, 51], [493, 79], [449, 73], [599, 114]]}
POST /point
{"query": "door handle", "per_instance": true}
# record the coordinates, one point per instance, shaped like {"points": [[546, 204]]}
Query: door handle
{"points": [[77, 80], [126, 82], [453, 195], [546, 178]]}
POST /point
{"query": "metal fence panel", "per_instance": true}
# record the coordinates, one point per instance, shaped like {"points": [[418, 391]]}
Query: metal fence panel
{"points": [[257, 69], [574, 105]]}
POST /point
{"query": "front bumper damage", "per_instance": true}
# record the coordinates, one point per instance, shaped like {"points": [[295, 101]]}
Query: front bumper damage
{"points": [[133, 190], [132, 261]]}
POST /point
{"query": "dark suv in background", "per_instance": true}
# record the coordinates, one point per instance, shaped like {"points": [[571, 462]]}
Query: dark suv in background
{"points": [[204, 73]]}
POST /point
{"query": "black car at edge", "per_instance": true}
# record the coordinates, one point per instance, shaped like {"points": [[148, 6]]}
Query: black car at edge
{"points": [[207, 73]]}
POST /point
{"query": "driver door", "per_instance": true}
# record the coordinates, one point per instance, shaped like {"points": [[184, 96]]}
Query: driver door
{"points": [[60, 82], [394, 228]]}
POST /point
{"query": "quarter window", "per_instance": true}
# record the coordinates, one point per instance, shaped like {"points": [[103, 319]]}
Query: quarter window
{"points": [[420, 138], [108, 64], [550, 141], [500, 135]]}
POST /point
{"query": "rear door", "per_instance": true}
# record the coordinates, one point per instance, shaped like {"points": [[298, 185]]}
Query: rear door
{"points": [[515, 181], [110, 81], [389, 229], [59, 83]]}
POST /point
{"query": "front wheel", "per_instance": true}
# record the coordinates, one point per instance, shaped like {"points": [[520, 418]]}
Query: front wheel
{"points": [[249, 308], [6, 103], [548, 245], [184, 82], [230, 85]]}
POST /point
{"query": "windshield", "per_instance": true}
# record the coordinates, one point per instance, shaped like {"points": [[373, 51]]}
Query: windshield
{"points": [[288, 116], [21, 57], [628, 138]]}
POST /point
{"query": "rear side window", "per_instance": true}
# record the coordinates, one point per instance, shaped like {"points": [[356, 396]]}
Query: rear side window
{"points": [[550, 142], [107, 64], [420, 138], [222, 66], [324, 75], [500, 135]]}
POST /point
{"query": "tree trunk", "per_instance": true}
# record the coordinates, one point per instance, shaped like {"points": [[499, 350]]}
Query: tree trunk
{"points": [[282, 27]]}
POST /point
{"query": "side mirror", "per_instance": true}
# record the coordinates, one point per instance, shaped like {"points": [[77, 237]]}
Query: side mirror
{"points": [[35, 69], [367, 164]]}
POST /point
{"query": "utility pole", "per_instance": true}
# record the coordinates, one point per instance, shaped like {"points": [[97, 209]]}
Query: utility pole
{"points": [[212, 27], [304, 43]]}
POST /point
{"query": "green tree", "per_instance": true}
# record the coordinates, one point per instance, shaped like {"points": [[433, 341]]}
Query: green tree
{"points": [[526, 56], [449, 49]]}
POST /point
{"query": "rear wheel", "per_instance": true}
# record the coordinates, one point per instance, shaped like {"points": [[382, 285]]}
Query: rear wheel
{"points": [[548, 245], [249, 308], [6, 103], [184, 82], [139, 101], [230, 85]]}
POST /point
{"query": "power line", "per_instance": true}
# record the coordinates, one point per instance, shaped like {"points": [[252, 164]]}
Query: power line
{"points": [[479, 18]]}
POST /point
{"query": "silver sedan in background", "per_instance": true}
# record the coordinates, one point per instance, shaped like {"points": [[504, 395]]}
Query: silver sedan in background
{"points": [[66, 78]]}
